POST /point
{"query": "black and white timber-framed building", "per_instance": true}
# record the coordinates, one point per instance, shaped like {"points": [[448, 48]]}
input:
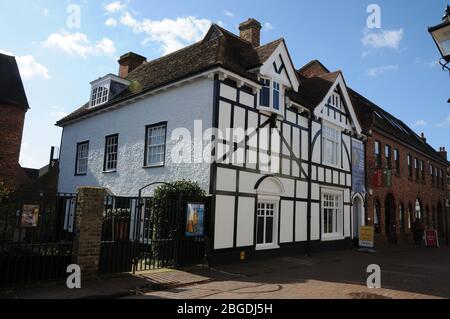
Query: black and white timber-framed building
{"points": [[281, 173]]}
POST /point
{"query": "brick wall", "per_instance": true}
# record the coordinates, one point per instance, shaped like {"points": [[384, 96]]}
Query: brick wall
{"points": [[405, 190], [11, 128]]}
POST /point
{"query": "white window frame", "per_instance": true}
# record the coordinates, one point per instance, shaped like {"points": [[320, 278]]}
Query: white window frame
{"points": [[150, 147], [110, 153], [337, 141], [271, 108], [100, 98], [268, 200], [337, 197], [82, 159]]}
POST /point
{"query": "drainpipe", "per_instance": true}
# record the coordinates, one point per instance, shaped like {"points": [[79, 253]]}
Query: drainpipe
{"points": [[309, 178]]}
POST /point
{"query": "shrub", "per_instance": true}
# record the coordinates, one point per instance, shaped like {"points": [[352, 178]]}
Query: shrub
{"points": [[167, 196]]}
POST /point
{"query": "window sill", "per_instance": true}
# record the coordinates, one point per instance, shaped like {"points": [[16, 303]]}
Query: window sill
{"points": [[332, 237], [266, 247], [153, 166], [78, 175], [110, 172]]}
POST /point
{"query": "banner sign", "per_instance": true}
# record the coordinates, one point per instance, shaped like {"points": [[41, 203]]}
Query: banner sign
{"points": [[431, 239], [195, 217], [358, 167], [366, 237]]}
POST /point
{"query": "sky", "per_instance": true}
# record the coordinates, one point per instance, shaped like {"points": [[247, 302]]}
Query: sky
{"points": [[384, 51]]}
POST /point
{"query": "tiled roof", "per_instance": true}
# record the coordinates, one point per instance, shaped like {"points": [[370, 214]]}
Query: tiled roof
{"points": [[218, 48], [11, 87]]}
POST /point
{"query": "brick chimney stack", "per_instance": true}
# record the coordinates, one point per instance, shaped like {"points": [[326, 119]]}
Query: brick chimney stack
{"points": [[443, 152], [251, 31], [129, 62]]}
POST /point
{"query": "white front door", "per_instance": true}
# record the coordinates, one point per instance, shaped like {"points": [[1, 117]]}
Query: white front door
{"points": [[267, 225]]}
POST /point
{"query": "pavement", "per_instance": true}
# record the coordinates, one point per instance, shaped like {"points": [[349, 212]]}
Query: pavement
{"points": [[407, 272]]}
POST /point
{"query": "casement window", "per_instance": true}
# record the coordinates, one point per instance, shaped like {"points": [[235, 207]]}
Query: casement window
{"points": [[422, 170], [100, 94], [431, 173], [377, 154], [416, 167], [331, 215], [387, 154], [410, 171], [111, 153], [397, 160], [271, 95], [331, 143], [267, 225], [155, 145], [276, 96], [436, 176], [442, 177], [82, 159]]}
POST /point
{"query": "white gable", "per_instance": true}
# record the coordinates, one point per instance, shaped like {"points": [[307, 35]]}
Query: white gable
{"points": [[336, 107], [279, 68]]}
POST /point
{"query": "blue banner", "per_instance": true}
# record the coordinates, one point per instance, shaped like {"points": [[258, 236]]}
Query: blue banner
{"points": [[358, 167]]}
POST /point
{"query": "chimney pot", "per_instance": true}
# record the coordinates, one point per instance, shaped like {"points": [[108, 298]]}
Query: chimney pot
{"points": [[250, 30], [129, 62]]}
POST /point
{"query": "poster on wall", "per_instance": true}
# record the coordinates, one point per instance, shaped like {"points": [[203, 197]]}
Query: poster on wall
{"points": [[195, 216], [30, 216], [358, 167]]}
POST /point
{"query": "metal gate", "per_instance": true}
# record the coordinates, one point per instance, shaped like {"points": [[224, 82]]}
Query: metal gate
{"points": [[36, 235], [140, 234]]}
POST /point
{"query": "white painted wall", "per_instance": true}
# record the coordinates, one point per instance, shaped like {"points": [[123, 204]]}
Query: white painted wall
{"points": [[245, 222], [224, 222], [179, 106], [286, 218]]}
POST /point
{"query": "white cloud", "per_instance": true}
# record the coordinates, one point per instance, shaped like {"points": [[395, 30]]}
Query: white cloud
{"points": [[268, 26], [78, 44], [171, 34], [45, 12], [420, 123], [383, 39], [445, 122], [228, 13], [111, 22], [115, 6], [373, 72], [29, 67]]}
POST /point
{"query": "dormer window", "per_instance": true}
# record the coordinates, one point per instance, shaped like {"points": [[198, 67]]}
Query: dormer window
{"points": [[106, 89], [270, 96], [100, 94]]}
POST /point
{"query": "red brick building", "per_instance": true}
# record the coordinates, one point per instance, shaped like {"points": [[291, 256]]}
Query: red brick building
{"points": [[406, 177], [13, 107]]}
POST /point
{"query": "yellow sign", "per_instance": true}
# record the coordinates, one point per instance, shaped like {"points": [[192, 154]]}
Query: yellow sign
{"points": [[366, 236]]}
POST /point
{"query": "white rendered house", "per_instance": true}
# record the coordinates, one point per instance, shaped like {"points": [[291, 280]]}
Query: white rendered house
{"points": [[279, 172]]}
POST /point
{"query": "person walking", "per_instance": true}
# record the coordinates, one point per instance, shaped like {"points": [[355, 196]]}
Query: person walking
{"points": [[418, 230]]}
